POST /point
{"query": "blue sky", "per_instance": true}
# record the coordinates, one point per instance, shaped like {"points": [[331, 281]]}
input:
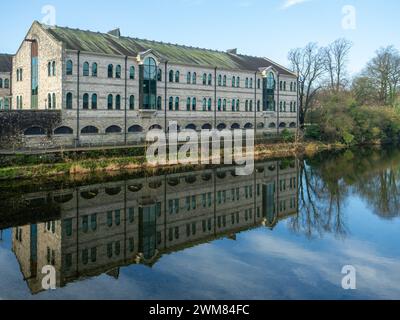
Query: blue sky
{"points": [[256, 27]]}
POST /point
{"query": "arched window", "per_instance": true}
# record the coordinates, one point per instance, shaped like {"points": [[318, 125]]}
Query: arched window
{"points": [[281, 85], [194, 78], [246, 84], [90, 130], [206, 126], [6, 83], [238, 82], [224, 105], [258, 84], [132, 103], [188, 104], [205, 79], [53, 101], [246, 106], [220, 80], [118, 102], [110, 71], [224, 83], [53, 68], [251, 106], [49, 101], [135, 129], [159, 103], [171, 76], [63, 130], [233, 81], [132, 73], [113, 129], [233, 105], [258, 106], [235, 126], [291, 86], [219, 104], [69, 101], [204, 104], [159, 75], [294, 107], [292, 125], [284, 86], [118, 72], [86, 69], [281, 106], [94, 69], [188, 77], [69, 68], [1, 81], [210, 79], [284, 106], [272, 125], [85, 101], [34, 131], [209, 104], [177, 76], [110, 102], [171, 104], [149, 85], [291, 103], [177, 104], [237, 105], [49, 69], [194, 104], [251, 83], [248, 126], [94, 101], [221, 126], [282, 125]]}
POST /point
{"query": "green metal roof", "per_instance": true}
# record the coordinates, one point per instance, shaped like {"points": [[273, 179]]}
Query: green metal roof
{"points": [[104, 43]]}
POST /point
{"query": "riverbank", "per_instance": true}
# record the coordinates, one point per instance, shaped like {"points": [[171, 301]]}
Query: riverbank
{"points": [[112, 164]]}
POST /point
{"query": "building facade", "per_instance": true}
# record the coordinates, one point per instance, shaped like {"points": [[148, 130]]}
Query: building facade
{"points": [[99, 228], [113, 89], [5, 81]]}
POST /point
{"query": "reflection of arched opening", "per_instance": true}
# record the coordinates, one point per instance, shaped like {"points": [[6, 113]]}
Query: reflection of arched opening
{"points": [[271, 168], [272, 125], [206, 176], [34, 131], [135, 187], [221, 175], [260, 126], [135, 129], [260, 170], [191, 126], [235, 126], [248, 126], [63, 130], [155, 184], [190, 179], [206, 126], [113, 191], [89, 194], [221, 126], [113, 129], [64, 198], [292, 125], [173, 182], [155, 127], [90, 130], [282, 125]]}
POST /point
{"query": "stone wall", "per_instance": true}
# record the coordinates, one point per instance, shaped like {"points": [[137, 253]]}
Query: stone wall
{"points": [[14, 123]]}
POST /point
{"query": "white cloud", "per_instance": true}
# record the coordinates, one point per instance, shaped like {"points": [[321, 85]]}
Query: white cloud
{"points": [[291, 3]]}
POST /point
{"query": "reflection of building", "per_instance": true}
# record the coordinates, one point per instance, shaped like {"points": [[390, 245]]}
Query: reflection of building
{"points": [[103, 227], [5, 81]]}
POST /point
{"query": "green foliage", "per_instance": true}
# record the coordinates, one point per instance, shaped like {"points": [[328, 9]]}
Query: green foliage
{"points": [[287, 136]]}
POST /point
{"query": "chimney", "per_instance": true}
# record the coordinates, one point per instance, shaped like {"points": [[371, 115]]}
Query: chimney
{"points": [[116, 32], [232, 51]]}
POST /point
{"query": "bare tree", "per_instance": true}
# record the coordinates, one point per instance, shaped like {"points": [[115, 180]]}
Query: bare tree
{"points": [[336, 59], [308, 63]]}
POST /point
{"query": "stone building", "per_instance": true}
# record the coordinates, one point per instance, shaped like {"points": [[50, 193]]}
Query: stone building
{"points": [[113, 89], [5, 81], [98, 228]]}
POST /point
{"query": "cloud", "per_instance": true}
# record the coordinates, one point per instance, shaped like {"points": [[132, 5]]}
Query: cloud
{"points": [[291, 3]]}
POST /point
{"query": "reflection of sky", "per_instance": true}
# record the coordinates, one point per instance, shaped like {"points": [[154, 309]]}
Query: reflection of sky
{"points": [[261, 264]]}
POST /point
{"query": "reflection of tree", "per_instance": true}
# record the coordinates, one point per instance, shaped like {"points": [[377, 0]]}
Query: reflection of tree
{"points": [[326, 181], [320, 203]]}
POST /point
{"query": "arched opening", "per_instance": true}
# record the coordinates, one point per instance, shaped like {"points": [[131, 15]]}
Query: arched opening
{"points": [[292, 125], [34, 131], [113, 191], [206, 126], [248, 125], [221, 126], [113, 129], [191, 127], [90, 194], [272, 125], [135, 129], [235, 126], [282, 125], [90, 130], [260, 126], [63, 130], [155, 127], [135, 187]]}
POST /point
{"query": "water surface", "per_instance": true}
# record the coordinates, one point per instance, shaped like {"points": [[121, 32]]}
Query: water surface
{"points": [[284, 232]]}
